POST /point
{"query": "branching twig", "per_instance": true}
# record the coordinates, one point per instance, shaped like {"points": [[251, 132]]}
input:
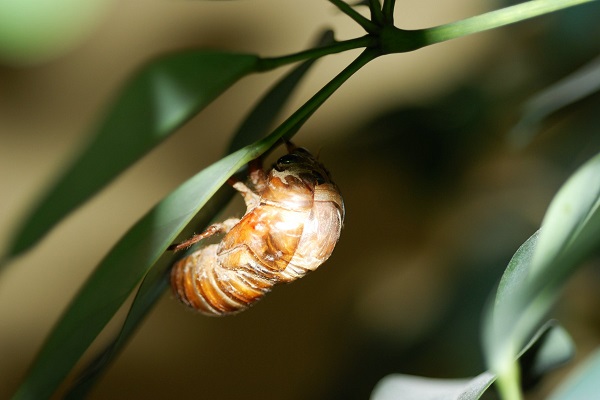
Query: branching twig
{"points": [[366, 24]]}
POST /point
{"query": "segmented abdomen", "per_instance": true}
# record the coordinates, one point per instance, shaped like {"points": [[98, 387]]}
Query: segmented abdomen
{"points": [[229, 277], [201, 282], [292, 224]]}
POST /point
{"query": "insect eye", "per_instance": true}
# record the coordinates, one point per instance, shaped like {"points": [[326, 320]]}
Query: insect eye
{"points": [[288, 159]]}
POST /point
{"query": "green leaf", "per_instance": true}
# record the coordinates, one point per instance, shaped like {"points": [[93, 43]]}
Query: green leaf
{"points": [[571, 226], [516, 272], [400, 387], [535, 275], [123, 269], [134, 255], [261, 118], [150, 290], [550, 347], [34, 32], [582, 384], [157, 100], [256, 125], [574, 87]]}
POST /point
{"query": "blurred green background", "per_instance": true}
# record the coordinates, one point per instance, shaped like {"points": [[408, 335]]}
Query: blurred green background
{"points": [[437, 196]]}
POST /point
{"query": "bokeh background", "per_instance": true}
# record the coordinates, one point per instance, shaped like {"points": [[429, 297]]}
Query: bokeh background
{"points": [[438, 197]]}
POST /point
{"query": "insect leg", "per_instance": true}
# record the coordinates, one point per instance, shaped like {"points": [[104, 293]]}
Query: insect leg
{"points": [[257, 178], [257, 174], [221, 227]]}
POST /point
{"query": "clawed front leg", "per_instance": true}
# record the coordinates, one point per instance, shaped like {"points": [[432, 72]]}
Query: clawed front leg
{"points": [[258, 180], [257, 174], [221, 227]]}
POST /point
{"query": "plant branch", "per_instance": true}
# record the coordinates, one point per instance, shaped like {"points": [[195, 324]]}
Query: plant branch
{"points": [[495, 19], [270, 63], [376, 13], [388, 10], [293, 123], [366, 24], [395, 40]]}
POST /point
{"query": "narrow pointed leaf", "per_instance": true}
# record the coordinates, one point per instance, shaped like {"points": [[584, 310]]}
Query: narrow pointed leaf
{"points": [[122, 270], [539, 269], [407, 387], [516, 272], [550, 347], [261, 118], [574, 87], [256, 125], [572, 223], [157, 100], [143, 246]]}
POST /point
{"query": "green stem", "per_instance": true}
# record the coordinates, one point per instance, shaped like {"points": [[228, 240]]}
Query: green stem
{"points": [[293, 123], [376, 13], [495, 19], [508, 383], [388, 11], [267, 64], [366, 24], [394, 40]]}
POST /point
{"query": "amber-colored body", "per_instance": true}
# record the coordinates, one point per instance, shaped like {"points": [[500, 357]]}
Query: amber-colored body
{"points": [[292, 223]]}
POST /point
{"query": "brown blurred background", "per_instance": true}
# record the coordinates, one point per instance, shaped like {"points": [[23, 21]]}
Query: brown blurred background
{"points": [[437, 199]]}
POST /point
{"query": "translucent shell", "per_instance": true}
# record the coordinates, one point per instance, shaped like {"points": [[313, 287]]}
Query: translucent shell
{"points": [[292, 223]]}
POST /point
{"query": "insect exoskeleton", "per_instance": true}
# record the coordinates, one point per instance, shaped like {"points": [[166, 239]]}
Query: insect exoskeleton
{"points": [[292, 223]]}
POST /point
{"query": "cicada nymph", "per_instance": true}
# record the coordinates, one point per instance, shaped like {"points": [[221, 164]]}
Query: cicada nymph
{"points": [[292, 223]]}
